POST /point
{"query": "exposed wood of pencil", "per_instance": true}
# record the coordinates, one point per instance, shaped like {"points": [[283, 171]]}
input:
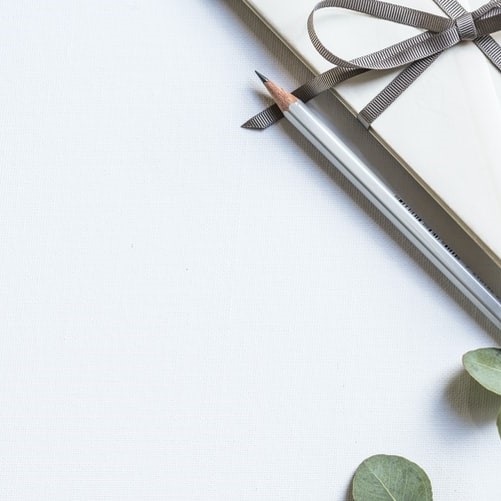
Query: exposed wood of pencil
{"points": [[283, 98]]}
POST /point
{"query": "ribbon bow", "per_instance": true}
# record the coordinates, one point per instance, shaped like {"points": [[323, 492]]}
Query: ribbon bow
{"points": [[416, 53]]}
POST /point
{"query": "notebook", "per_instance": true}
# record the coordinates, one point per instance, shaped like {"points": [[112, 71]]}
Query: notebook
{"points": [[444, 129]]}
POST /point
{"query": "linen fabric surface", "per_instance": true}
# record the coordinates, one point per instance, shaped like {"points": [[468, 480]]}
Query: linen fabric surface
{"points": [[192, 311]]}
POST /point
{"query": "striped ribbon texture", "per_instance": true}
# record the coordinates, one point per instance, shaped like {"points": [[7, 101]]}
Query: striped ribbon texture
{"points": [[414, 54]]}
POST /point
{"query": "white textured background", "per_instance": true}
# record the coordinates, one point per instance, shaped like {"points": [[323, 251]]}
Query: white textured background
{"points": [[193, 311]]}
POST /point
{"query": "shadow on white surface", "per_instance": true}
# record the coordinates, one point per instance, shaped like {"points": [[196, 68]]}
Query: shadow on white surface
{"points": [[470, 401], [349, 491]]}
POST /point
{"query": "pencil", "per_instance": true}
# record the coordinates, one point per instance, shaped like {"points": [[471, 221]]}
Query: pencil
{"points": [[390, 204]]}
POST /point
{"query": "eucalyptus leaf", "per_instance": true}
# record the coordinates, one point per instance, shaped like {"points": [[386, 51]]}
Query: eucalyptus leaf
{"points": [[484, 365], [390, 478]]}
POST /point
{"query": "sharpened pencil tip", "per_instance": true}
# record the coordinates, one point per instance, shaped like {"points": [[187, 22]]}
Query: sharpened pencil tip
{"points": [[262, 77]]}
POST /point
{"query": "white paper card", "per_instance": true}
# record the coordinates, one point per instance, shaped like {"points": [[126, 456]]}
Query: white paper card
{"points": [[445, 128]]}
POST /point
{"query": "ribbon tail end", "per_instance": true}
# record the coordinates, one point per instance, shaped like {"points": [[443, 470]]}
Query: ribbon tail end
{"points": [[252, 125], [264, 119]]}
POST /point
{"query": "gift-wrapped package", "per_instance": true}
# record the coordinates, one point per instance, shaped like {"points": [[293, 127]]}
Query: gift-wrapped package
{"points": [[445, 127]]}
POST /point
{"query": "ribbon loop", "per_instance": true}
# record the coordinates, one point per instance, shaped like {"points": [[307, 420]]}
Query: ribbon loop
{"points": [[466, 27], [414, 54]]}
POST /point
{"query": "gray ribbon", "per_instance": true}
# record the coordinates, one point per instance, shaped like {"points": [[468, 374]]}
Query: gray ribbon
{"points": [[415, 53]]}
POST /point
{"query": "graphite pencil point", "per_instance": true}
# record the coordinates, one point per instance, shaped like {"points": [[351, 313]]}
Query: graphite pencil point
{"points": [[262, 77]]}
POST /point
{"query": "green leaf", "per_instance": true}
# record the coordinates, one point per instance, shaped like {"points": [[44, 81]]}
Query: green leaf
{"points": [[390, 478], [484, 365]]}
